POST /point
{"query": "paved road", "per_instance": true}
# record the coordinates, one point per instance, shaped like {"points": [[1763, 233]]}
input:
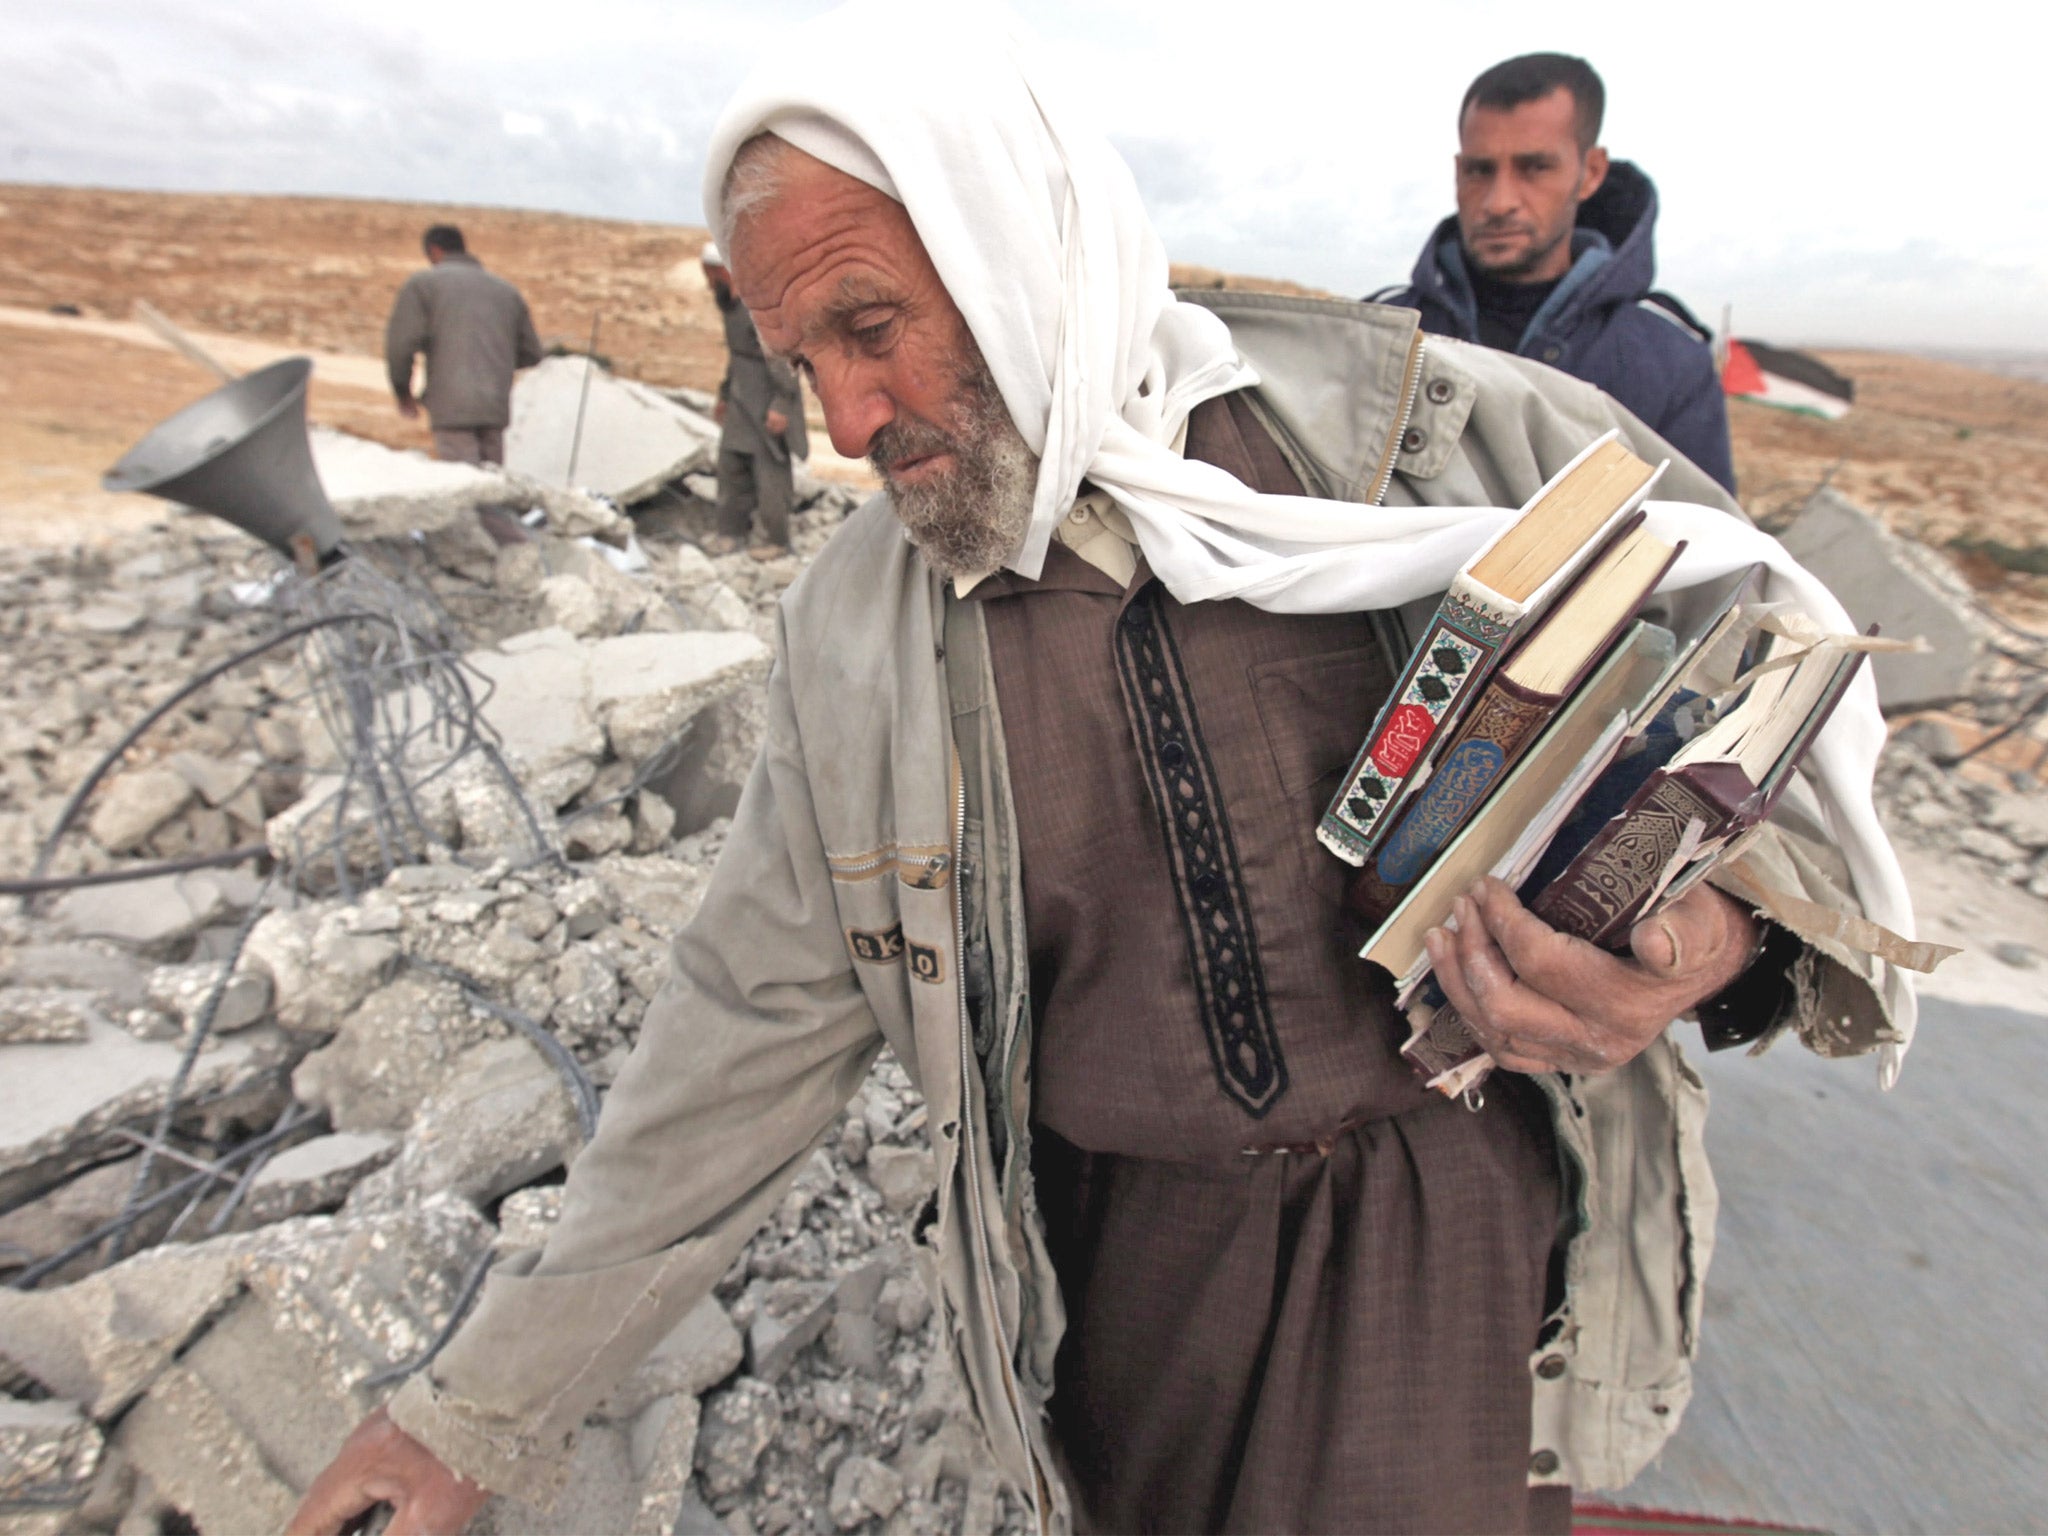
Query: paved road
{"points": [[1875, 1357]]}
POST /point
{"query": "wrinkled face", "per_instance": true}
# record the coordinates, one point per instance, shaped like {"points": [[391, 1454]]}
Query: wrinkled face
{"points": [[839, 283], [1521, 179]]}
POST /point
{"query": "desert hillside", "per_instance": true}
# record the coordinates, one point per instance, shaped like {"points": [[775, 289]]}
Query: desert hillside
{"points": [[1935, 448]]}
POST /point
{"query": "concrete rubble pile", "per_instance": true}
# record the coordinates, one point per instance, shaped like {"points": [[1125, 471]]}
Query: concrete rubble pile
{"points": [[350, 1100], [2001, 829], [389, 1077]]}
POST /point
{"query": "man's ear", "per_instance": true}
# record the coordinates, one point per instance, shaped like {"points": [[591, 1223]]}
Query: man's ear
{"points": [[1594, 173]]}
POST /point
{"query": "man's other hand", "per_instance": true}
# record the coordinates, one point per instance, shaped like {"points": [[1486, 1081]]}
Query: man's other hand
{"points": [[777, 423], [381, 1464], [1542, 1001], [409, 409]]}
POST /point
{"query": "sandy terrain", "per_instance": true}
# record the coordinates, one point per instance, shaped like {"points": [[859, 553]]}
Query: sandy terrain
{"points": [[1933, 447]]}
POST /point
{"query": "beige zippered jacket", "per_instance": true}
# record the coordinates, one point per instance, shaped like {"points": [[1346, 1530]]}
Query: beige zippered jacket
{"points": [[869, 894]]}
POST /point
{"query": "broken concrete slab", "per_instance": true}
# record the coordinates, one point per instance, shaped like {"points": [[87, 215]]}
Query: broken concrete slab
{"points": [[391, 1054], [646, 688], [1901, 586], [634, 440], [321, 960], [501, 1118], [738, 1425], [186, 1439], [59, 1104], [540, 707], [44, 1015], [234, 1431], [315, 1175], [601, 1493], [183, 991], [386, 493], [700, 1352], [662, 1445], [49, 1456], [367, 1293], [103, 1339], [788, 1315], [903, 1175], [863, 1489], [155, 913], [133, 805], [90, 967]]}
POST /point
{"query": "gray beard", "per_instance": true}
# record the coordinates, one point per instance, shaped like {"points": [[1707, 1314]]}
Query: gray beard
{"points": [[970, 520]]}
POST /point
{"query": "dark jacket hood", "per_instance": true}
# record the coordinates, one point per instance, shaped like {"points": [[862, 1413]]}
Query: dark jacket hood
{"points": [[1613, 260]]}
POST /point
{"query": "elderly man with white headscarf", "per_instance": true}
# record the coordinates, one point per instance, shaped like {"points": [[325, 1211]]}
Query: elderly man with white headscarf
{"points": [[1048, 735]]}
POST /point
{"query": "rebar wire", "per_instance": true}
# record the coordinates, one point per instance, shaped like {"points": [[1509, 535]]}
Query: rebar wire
{"points": [[28, 1278], [578, 1082], [472, 1283], [382, 671], [248, 1178], [202, 1029]]}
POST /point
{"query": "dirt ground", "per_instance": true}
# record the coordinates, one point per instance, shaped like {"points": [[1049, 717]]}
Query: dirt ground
{"points": [[1934, 448]]}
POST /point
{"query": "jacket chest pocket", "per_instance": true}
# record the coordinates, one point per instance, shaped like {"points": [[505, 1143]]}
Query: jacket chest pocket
{"points": [[1315, 712]]}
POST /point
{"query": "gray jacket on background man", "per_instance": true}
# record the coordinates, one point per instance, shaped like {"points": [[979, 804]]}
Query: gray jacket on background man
{"points": [[475, 331], [880, 806], [754, 385]]}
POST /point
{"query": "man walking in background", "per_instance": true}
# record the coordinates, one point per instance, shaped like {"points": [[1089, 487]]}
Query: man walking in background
{"points": [[760, 406], [1549, 255], [475, 332]]}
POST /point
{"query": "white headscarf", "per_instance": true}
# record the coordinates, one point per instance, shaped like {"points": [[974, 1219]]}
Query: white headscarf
{"points": [[1035, 227]]}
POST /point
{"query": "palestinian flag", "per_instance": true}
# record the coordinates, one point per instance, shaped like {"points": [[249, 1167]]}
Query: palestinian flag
{"points": [[1792, 381]]}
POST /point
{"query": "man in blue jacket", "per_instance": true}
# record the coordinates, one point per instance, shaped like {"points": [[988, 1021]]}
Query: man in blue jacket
{"points": [[1550, 256]]}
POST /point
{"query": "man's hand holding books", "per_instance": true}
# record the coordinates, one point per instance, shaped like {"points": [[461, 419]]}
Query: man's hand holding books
{"points": [[1543, 1001]]}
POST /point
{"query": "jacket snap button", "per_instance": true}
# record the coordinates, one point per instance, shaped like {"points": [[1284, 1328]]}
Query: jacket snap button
{"points": [[1550, 1367], [1414, 440], [1543, 1463], [1440, 391], [1206, 884], [1173, 754], [1552, 354], [1137, 616]]}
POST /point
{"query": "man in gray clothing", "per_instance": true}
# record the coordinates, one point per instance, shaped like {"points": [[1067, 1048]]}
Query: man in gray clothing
{"points": [[761, 408], [475, 331]]}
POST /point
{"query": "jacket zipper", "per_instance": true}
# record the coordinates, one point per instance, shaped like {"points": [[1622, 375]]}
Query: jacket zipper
{"points": [[1411, 391], [986, 1265]]}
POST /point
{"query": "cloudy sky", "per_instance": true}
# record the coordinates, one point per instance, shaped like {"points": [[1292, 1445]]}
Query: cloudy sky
{"points": [[1831, 173]]}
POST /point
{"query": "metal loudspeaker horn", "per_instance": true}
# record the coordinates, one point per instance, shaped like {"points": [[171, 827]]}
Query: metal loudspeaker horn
{"points": [[242, 453]]}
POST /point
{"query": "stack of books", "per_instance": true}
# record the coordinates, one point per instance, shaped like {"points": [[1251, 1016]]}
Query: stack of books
{"points": [[1545, 732]]}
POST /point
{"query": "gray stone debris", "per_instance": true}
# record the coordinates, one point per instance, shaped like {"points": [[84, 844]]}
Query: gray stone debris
{"points": [[702, 1351], [1883, 578], [501, 1118], [60, 1103], [49, 1455], [863, 1488], [810, 1393], [135, 805], [41, 1015], [182, 991], [148, 915], [315, 1175], [392, 1054]]}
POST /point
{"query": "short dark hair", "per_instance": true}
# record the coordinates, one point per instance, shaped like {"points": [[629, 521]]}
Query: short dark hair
{"points": [[444, 237], [1533, 76]]}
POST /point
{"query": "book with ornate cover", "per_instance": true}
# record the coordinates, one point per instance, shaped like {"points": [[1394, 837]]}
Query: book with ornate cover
{"points": [[1688, 815], [1524, 691], [1496, 594], [1562, 762]]}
